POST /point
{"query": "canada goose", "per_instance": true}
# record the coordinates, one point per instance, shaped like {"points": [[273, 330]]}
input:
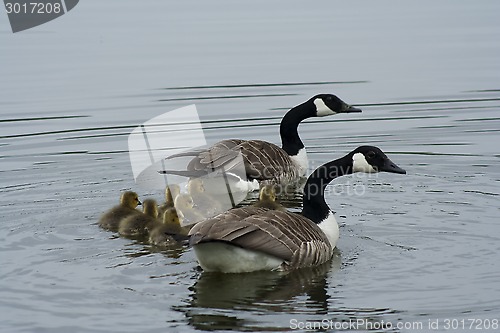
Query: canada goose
{"points": [[252, 238], [169, 232], [188, 213], [267, 199], [128, 202], [171, 192], [263, 161], [136, 225]]}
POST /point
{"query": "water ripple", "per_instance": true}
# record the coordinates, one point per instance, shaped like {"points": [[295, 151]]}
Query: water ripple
{"points": [[264, 85]]}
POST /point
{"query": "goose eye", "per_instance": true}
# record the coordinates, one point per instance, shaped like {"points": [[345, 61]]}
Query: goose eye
{"points": [[371, 154]]}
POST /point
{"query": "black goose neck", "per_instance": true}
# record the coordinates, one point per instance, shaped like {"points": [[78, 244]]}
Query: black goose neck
{"points": [[290, 139], [314, 206]]}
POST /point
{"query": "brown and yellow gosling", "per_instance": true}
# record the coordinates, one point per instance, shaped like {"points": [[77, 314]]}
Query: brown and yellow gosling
{"points": [[111, 219], [267, 199], [136, 225], [170, 232], [171, 192]]}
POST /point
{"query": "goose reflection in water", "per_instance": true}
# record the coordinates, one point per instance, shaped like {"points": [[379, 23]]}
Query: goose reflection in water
{"points": [[257, 291]]}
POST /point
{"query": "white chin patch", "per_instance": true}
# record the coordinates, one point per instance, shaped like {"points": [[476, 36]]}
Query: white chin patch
{"points": [[321, 108], [359, 164]]}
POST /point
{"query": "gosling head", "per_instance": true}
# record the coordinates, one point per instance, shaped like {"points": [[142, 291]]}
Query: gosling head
{"points": [[267, 193], [371, 159], [130, 199], [150, 208], [170, 217]]}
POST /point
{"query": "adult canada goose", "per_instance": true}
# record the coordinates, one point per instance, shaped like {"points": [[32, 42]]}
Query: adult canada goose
{"points": [[171, 192], [267, 199], [137, 224], [252, 238], [111, 219], [169, 232], [256, 161]]}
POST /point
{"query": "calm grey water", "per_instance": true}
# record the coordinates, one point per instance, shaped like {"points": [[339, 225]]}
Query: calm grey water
{"points": [[415, 249]]}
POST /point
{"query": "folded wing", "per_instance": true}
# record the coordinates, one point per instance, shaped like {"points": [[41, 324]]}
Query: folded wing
{"points": [[284, 235], [262, 160]]}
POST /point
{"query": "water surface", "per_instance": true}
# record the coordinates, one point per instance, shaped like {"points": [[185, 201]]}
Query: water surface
{"points": [[414, 248]]}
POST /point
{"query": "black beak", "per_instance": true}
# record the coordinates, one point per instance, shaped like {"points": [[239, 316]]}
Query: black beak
{"points": [[139, 202], [390, 166], [350, 109]]}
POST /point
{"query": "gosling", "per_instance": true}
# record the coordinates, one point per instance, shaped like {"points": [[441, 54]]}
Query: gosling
{"points": [[188, 213], [169, 232], [171, 192], [138, 224], [205, 203], [267, 199], [127, 207]]}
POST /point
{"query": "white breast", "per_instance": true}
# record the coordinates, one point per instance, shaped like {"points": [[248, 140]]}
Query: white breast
{"points": [[301, 161], [331, 229]]}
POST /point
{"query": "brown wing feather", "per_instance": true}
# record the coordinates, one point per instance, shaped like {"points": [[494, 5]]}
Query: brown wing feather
{"points": [[285, 235], [266, 161], [263, 160], [207, 159]]}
